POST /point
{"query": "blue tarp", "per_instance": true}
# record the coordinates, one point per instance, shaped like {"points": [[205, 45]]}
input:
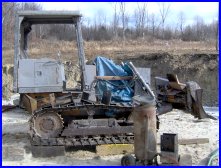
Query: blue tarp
{"points": [[121, 90]]}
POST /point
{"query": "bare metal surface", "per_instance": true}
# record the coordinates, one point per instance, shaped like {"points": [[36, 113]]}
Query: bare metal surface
{"points": [[90, 72], [51, 13], [37, 74], [164, 108], [81, 55], [50, 17], [145, 73], [16, 52], [145, 85]]}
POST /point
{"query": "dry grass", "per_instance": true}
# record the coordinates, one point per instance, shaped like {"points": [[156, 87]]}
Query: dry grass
{"points": [[112, 49], [169, 54]]}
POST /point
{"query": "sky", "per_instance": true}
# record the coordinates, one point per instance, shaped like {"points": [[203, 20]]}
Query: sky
{"points": [[206, 10]]}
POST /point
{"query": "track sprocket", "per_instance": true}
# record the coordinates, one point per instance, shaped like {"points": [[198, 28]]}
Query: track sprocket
{"points": [[47, 125]]}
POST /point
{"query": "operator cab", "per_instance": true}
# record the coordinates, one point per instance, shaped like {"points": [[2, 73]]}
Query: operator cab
{"points": [[44, 74]]}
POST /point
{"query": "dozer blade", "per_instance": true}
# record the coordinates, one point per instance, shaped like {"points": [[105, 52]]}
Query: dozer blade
{"points": [[185, 96], [197, 107]]}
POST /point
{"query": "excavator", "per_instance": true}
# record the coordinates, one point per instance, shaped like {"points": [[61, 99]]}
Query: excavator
{"points": [[100, 111]]}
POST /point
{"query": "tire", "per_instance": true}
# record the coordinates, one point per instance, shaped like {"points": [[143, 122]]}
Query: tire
{"points": [[128, 160]]}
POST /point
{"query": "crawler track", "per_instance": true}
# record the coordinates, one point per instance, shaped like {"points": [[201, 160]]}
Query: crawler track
{"points": [[117, 135]]}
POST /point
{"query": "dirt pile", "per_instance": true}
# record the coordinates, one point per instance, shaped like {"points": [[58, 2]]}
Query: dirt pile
{"points": [[202, 68], [7, 81], [72, 74]]}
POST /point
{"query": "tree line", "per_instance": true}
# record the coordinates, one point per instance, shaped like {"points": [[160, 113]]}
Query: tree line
{"points": [[141, 24]]}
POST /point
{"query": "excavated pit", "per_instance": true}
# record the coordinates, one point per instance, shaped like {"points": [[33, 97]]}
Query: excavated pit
{"points": [[202, 68]]}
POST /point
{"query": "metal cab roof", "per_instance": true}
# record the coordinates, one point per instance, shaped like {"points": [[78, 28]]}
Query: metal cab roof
{"points": [[47, 17]]}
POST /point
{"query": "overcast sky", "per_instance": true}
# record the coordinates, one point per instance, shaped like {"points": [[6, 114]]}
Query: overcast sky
{"points": [[207, 10]]}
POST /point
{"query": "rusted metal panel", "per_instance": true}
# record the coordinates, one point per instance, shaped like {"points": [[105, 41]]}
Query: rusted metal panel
{"points": [[144, 118], [197, 108], [52, 99], [96, 127], [169, 148], [29, 103], [174, 82], [186, 96], [81, 141], [97, 131], [106, 98]]}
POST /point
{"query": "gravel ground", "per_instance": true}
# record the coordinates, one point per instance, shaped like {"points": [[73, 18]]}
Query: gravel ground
{"points": [[16, 146]]}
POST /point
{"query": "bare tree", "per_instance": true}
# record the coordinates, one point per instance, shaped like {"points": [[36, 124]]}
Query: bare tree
{"points": [[181, 20], [115, 19], [101, 18], [217, 36], [123, 17], [7, 8], [87, 23], [153, 23], [141, 18], [97, 28], [198, 25], [164, 10], [216, 30]]}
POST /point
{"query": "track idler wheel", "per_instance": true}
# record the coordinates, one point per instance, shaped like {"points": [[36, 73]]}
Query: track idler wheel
{"points": [[128, 160], [47, 125]]}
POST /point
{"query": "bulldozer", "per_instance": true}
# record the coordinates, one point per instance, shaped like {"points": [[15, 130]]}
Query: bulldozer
{"points": [[100, 111]]}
